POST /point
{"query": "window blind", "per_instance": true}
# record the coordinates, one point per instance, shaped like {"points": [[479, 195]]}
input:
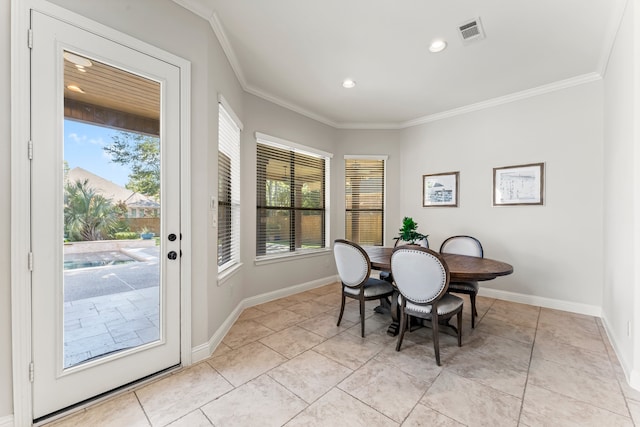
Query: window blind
{"points": [[228, 190], [291, 199], [364, 200]]}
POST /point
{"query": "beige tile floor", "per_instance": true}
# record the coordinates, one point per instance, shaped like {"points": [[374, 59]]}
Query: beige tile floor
{"points": [[285, 363]]}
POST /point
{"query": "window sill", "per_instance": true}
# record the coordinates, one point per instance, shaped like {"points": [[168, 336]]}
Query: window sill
{"points": [[270, 259], [229, 272]]}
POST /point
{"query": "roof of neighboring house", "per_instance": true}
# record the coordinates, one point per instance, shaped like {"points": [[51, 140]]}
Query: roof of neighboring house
{"points": [[113, 191]]}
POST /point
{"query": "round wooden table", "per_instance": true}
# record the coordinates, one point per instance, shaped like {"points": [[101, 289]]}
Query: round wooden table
{"points": [[461, 268]]}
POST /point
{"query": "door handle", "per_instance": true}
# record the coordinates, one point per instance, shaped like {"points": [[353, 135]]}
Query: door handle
{"points": [[172, 255]]}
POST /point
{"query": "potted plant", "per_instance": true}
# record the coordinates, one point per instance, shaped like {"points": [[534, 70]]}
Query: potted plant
{"points": [[146, 234], [409, 231]]}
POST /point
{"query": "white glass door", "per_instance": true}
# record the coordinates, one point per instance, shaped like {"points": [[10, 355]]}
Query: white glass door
{"points": [[105, 215]]}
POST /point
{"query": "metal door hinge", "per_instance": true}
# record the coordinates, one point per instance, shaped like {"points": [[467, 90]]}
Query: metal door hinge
{"points": [[30, 150], [30, 38], [31, 369], [30, 261]]}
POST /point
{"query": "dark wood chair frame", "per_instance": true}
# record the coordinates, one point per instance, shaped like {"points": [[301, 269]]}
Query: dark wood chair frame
{"points": [[384, 298], [433, 316], [460, 290]]}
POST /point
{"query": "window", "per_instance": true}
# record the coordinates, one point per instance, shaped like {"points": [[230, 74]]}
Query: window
{"points": [[228, 188], [292, 195], [364, 199]]}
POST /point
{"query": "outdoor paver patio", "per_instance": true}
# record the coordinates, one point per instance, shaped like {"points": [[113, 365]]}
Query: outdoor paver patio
{"points": [[100, 325], [111, 308]]}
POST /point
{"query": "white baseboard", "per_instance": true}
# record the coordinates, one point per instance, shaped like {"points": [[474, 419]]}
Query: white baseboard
{"points": [[6, 421], [573, 307], [281, 293], [205, 350], [634, 379], [631, 375]]}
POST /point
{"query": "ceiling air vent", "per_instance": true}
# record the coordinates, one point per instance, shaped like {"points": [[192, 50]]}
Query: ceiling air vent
{"points": [[471, 31]]}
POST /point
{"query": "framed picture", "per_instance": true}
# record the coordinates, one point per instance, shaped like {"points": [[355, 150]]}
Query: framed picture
{"points": [[518, 185], [440, 189]]}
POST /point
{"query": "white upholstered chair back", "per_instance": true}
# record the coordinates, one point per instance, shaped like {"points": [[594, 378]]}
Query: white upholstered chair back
{"points": [[352, 262], [462, 245], [419, 273]]}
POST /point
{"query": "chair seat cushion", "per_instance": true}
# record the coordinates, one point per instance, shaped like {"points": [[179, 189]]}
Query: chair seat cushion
{"points": [[467, 287], [386, 275], [372, 288], [446, 305]]}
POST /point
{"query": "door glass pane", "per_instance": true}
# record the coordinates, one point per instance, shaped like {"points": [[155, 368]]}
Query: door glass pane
{"points": [[112, 210]]}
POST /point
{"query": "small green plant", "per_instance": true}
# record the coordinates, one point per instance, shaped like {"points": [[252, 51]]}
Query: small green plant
{"points": [[409, 231], [126, 235]]}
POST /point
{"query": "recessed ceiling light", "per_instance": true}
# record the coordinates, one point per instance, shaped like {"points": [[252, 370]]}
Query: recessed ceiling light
{"points": [[437, 45], [77, 59], [348, 84], [74, 88]]}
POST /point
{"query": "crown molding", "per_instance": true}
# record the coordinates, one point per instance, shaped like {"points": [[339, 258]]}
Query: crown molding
{"points": [[517, 96], [293, 107], [370, 126], [208, 14], [218, 30], [197, 7]]}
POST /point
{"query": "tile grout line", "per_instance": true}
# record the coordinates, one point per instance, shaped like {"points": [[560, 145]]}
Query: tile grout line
{"points": [[526, 382]]}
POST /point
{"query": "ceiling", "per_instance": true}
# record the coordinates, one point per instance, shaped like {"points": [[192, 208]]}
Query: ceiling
{"points": [[297, 53], [110, 87]]}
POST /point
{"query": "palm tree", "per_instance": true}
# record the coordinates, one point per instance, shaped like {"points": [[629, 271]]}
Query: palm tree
{"points": [[87, 215]]}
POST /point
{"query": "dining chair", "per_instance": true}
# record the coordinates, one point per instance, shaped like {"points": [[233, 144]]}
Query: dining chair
{"points": [[354, 269], [470, 246], [386, 275], [422, 278]]}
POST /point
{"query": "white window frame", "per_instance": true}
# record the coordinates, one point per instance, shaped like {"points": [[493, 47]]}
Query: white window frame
{"points": [[385, 159], [284, 144], [232, 150]]}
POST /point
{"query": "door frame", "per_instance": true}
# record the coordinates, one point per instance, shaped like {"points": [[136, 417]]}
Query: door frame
{"points": [[21, 307]]}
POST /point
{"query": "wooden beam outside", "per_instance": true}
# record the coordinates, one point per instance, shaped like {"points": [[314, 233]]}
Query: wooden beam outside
{"points": [[100, 116]]}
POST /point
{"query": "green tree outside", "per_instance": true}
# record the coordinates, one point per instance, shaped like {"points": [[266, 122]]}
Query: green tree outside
{"points": [[142, 154], [88, 216]]}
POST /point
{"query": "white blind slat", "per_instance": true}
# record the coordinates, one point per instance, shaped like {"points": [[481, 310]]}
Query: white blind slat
{"points": [[291, 199], [228, 190], [364, 200]]}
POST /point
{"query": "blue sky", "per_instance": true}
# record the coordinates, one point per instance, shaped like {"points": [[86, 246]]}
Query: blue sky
{"points": [[83, 147]]}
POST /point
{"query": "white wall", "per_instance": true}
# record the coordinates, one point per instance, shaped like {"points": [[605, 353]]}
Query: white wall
{"points": [[555, 249], [369, 142], [6, 390], [265, 117], [621, 197]]}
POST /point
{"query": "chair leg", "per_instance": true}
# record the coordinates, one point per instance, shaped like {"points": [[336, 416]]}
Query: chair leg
{"points": [[341, 309], [362, 317], [474, 312], [460, 327], [434, 326], [403, 325]]}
